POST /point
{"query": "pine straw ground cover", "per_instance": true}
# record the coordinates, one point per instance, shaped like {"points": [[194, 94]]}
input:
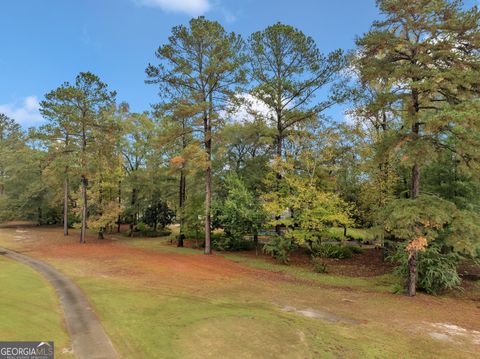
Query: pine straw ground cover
{"points": [[159, 301]]}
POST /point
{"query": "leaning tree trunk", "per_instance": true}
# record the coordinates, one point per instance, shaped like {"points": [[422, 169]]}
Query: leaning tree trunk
{"points": [[84, 210], [65, 206]]}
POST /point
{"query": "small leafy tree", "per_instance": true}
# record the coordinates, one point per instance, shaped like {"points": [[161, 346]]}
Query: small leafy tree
{"points": [[158, 213], [426, 219], [241, 213], [437, 268], [304, 211]]}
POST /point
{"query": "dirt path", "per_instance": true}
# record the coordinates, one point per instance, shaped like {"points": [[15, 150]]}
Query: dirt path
{"points": [[88, 336]]}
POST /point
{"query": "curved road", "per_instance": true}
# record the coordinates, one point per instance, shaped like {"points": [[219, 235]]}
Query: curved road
{"points": [[88, 336]]}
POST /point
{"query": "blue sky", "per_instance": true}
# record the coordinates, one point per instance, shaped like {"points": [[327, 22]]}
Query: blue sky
{"points": [[47, 42]]}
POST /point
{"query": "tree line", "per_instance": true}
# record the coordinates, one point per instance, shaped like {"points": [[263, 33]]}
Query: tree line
{"points": [[240, 140]]}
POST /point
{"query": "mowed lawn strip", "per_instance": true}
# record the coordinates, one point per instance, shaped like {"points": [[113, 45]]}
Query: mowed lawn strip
{"points": [[29, 308]]}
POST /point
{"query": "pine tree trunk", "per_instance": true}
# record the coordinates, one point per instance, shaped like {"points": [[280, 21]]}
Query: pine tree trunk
{"points": [[415, 191], [65, 207], [119, 205], [279, 153], [208, 173], [208, 179], [412, 274], [39, 216], [84, 210], [100, 201], [133, 201], [208, 203], [182, 193]]}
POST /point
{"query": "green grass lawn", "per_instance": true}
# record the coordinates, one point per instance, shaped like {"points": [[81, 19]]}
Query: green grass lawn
{"points": [[384, 283], [361, 234], [29, 308], [153, 305], [150, 323]]}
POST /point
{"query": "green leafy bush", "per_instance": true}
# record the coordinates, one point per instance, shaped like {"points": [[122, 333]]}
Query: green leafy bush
{"points": [[279, 247], [437, 271], [330, 250], [230, 243], [319, 266], [165, 232], [141, 227]]}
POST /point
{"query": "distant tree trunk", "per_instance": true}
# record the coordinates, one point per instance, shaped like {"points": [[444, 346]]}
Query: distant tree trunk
{"points": [[65, 206], [101, 230], [84, 210], [182, 193], [2, 186], [255, 240], [279, 154], [133, 201], [65, 193], [84, 181], [119, 205], [208, 198], [39, 216], [208, 174]]}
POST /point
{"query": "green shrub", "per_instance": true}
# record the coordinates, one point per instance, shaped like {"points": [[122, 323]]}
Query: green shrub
{"points": [[331, 250], [165, 232], [230, 243], [279, 247], [141, 227], [319, 266], [437, 271]]}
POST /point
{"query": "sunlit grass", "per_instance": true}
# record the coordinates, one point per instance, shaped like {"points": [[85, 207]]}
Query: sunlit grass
{"points": [[29, 308]]}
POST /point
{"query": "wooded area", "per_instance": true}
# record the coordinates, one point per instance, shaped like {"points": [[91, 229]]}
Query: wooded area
{"points": [[240, 151]]}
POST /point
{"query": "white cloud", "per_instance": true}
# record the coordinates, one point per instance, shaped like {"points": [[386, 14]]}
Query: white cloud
{"points": [[250, 108], [190, 7], [26, 113], [227, 15]]}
